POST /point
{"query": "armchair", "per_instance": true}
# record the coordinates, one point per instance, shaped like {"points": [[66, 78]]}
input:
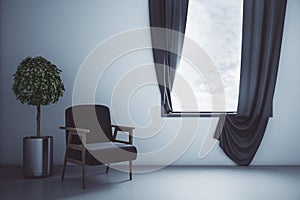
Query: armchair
{"points": [[90, 141]]}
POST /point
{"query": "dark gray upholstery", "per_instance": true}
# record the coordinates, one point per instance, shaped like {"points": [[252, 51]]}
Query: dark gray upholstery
{"points": [[97, 119]]}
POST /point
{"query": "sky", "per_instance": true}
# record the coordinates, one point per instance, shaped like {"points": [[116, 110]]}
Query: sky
{"points": [[216, 26]]}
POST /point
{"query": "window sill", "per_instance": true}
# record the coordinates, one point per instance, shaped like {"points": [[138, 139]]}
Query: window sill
{"points": [[195, 114]]}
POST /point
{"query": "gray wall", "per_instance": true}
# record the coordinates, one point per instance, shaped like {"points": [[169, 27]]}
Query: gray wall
{"points": [[65, 31]]}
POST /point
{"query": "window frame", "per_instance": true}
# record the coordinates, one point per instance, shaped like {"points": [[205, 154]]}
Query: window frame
{"points": [[175, 114]]}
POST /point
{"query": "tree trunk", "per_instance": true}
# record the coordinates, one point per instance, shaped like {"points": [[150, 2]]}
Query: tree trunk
{"points": [[38, 121]]}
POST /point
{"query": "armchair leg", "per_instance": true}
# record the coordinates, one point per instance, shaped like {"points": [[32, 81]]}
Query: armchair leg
{"points": [[83, 169], [107, 168], [64, 169], [83, 176], [130, 170], [65, 159]]}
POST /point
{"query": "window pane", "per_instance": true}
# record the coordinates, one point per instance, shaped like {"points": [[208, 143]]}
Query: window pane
{"points": [[216, 26]]}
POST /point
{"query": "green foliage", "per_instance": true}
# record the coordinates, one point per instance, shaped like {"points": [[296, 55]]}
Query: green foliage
{"points": [[37, 82]]}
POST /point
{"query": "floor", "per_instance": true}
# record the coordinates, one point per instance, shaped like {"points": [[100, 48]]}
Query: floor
{"points": [[178, 182]]}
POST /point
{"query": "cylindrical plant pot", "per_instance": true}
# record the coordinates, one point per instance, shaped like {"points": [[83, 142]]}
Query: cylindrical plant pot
{"points": [[37, 156]]}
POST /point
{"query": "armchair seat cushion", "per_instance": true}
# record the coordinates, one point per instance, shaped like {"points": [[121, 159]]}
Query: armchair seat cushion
{"points": [[110, 152], [107, 152], [89, 158]]}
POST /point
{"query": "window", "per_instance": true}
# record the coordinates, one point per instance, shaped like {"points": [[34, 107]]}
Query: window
{"points": [[216, 26]]}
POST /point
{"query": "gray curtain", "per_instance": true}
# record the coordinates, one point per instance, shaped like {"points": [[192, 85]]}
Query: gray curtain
{"points": [[263, 22], [170, 16]]}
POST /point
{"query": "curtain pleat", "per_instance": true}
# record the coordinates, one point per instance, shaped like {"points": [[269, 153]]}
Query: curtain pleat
{"points": [[167, 22], [263, 22]]}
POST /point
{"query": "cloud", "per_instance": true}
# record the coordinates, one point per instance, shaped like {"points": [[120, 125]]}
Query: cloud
{"points": [[216, 26]]}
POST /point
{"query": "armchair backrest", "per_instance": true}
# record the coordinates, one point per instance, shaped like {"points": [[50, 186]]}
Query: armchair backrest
{"points": [[96, 118]]}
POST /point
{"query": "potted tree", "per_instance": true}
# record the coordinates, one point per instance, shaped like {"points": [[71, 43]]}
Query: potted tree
{"points": [[37, 82]]}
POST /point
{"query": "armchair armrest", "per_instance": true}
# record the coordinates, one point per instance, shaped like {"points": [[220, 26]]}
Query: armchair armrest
{"points": [[73, 130], [81, 132], [128, 129], [123, 128]]}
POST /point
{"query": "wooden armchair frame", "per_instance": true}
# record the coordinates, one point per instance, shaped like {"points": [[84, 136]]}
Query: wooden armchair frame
{"points": [[82, 133]]}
